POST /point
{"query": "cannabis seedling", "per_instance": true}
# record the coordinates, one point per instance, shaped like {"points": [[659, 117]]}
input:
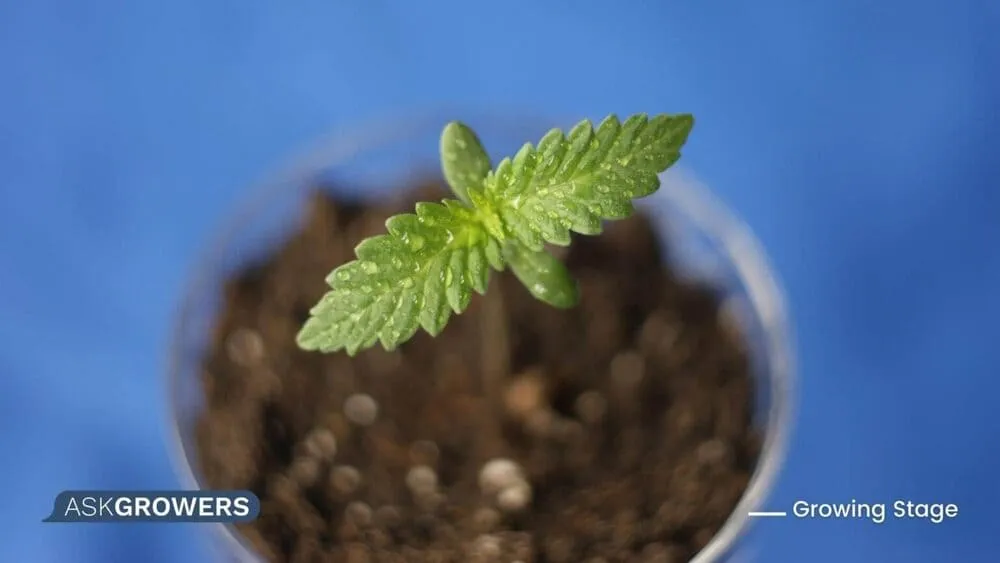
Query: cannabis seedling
{"points": [[427, 265]]}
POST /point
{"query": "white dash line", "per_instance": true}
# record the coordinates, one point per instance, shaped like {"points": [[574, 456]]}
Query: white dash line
{"points": [[767, 514]]}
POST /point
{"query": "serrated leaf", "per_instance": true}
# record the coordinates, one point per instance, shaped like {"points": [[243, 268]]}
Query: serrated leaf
{"points": [[425, 268], [464, 161], [416, 275], [571, 183]]}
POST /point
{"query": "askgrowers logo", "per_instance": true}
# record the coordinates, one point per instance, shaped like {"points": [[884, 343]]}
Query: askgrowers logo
{"points": [[155, 506]]}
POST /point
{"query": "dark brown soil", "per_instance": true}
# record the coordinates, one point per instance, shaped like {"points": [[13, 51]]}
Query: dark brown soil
{"points": [[625, 423]]}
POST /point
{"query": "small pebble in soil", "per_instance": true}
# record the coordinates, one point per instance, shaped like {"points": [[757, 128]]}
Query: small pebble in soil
{"points": [[525, 394], [498, 474], [345, 479], [715, 453], [421, 480], [245, 347], [320, 444], [515, 497], [359, 513], [361, 409], [305, 471]]}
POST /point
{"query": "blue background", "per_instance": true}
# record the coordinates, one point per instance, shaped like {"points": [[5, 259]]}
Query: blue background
{"points": [[859, 139]]}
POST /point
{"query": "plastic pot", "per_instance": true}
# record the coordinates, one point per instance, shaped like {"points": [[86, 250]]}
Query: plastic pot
{"points": [[703, 238]]}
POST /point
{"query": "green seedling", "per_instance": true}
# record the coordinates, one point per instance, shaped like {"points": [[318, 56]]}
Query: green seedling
{"points": [[425, 268]]}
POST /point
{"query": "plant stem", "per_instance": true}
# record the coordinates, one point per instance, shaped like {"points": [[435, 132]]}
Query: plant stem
{"points": [[494, 358]]}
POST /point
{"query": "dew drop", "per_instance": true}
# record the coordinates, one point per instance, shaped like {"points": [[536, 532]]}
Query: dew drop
{"points": [[370, 267], [416, 242], [603, 188], [343, 275], [397, 263]]}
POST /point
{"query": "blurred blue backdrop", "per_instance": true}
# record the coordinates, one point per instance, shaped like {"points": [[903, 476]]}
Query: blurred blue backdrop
{"points": [[859, 139]]}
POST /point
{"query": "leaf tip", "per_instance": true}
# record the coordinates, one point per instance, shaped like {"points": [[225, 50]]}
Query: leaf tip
{"points": [[566, 297], [453, 130], [686, 121], [611, 120], [682, 121], [306, 339]]}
